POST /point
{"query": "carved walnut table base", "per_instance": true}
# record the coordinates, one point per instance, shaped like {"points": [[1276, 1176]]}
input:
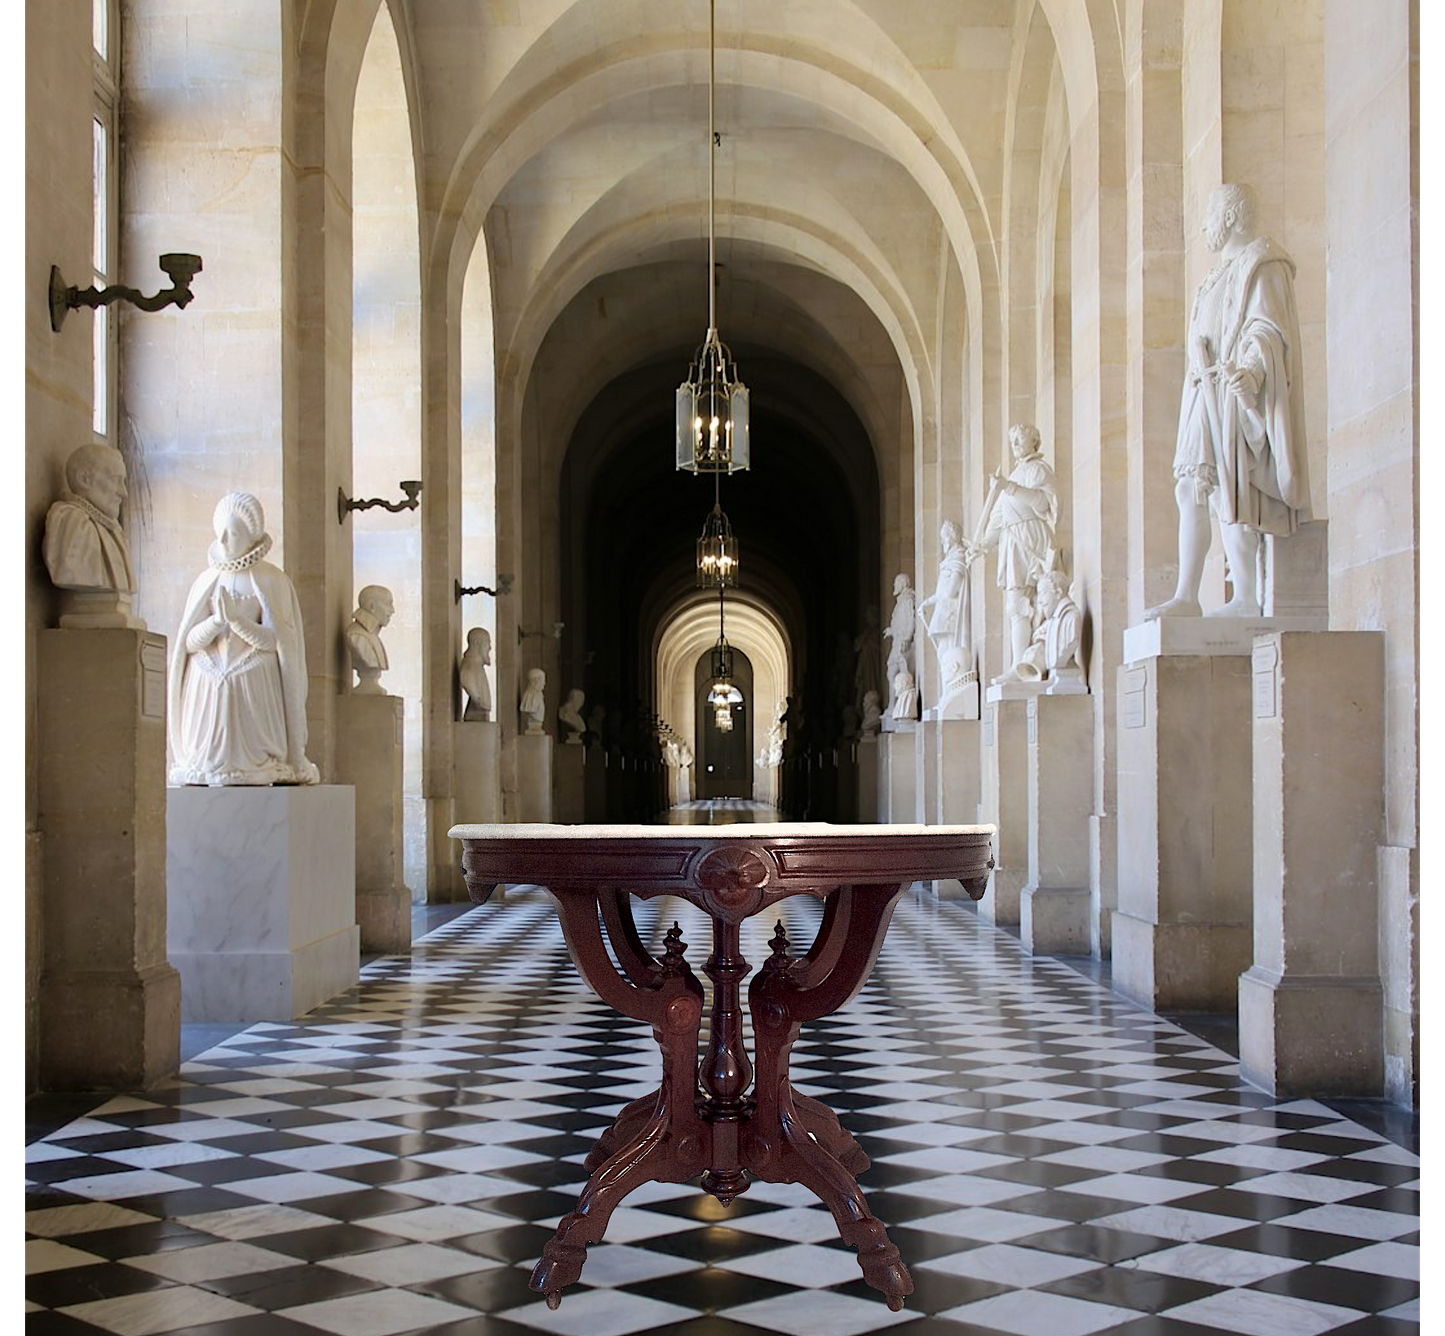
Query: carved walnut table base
{"points": [[702, 1119]]}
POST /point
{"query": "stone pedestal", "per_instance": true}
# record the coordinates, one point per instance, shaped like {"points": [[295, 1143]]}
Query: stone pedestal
{"points": [[262, 897], [594, 785], [1310, 1006], [534, 777], [867, 775], [927, 761], [1206, 635], [1182, 932], [960, 789], [476, 749], [110, 1003], [369, 749], [569, 778], [1054, 906], [1298, 583], [847, 780], [897, 781], [1005, 801]]}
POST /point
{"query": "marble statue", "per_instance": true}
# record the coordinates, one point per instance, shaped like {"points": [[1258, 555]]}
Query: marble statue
{"points": [[570, 717], [684, 755], [950, 625], [238, 664], [473, 675], [672, 754], [534, 700], [872, 715], [900, 630], [867, 658], [374, 610], [905, 696], [1053, 652], [1018, 519], [1241, 444], [85, 548], [775, 742]]}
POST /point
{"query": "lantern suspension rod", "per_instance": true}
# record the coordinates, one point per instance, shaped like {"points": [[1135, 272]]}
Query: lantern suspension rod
{"points": [[711, 165]]}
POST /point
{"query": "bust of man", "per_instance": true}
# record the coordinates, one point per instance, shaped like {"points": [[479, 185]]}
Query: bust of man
{"points": [[570, 717], [872, 714], [374, 609], [473, 674], [85, 548]]}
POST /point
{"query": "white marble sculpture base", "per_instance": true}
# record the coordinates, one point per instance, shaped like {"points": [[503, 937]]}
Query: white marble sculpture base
{"points": [[897, 781], [1054, 906], [261, 899], [1183, 929], [960, 789], [369, 749], [109, 1005], [476, 750], [1206, 635], [1005, 802], [961, 703], [98, 610], [569, 765], [867, 776], [1310, 1007], [534, 777]]}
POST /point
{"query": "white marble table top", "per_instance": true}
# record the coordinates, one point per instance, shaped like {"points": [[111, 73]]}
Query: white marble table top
{"points": [[738, 830]]}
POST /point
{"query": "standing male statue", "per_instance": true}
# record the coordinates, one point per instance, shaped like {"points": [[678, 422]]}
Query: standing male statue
{"points": [[900, 630], [950, 624], [1019, 518], [1241, 445]]}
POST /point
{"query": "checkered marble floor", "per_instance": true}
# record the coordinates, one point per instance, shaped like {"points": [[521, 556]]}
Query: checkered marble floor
{"points": [[1050, 1160]]}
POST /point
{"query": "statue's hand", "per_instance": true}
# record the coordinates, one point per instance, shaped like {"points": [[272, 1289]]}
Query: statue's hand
{"points": [[1245, 382]]}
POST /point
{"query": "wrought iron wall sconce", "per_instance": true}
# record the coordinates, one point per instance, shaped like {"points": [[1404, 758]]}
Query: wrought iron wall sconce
{"points": [[66, 297], [504, 586], [555, 633], [345, 504]]}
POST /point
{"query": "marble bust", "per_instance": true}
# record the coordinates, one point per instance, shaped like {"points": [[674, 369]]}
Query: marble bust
{"points": [[374, 609], [900, 631], [1053, 652], [872, 714], [905, 696], [950, 623], [534, 701], [85, 548], [1240, 448], [1019, 519], [473, 675], [570, 717], [237, 707]]}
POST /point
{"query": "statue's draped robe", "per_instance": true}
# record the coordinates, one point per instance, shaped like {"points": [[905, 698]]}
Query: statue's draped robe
{"points": [[84, 549], [1023, 523]]}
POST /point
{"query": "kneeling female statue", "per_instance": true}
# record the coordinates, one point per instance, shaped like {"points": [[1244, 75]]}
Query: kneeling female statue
{"points": [[238, 664]]}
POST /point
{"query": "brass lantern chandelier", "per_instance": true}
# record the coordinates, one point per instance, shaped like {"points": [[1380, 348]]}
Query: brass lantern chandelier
{"points": [[717, 552], [712, 403]]}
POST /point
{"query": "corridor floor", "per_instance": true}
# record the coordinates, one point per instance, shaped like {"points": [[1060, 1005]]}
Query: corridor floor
{"points": [[1051, 1161]]}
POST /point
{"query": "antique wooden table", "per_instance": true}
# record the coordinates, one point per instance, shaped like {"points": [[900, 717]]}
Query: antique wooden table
{"points": [[702, 1119]]}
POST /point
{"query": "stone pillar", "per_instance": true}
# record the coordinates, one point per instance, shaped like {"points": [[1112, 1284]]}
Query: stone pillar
{"points": [[110, 1002], [534, 777], [594, 784], [370, 745], [1005, 801], [1182, 931], [927, 763], [867, 776], [959, 788], [476, 748], [1310, 1006], [262, 889], [569, 764], [1054, 906], [897, 791]]}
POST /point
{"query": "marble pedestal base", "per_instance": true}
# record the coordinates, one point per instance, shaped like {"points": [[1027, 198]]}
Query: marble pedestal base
{"points": [[867, 775], [262, 899], [1054, 906], [109, 1003], [1310, 1006], [959, 787], [476, 752], [569, 797], [534, 777], [897, 780], [1005, 801], [1183, 932], [369, 748]]}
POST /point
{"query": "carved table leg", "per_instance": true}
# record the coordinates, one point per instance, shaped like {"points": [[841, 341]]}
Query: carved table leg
{"points": [[669, 1144], [779, 1147]]}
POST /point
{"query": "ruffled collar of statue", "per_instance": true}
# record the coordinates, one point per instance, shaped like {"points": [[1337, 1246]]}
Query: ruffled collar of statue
{"points": [[94, 511], [244, 562]]}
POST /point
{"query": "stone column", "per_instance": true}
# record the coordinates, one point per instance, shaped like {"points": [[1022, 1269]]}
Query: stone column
{"points": [[110, 1003], [370, 744], [898, 782], [1310, 1006], [1054, 906], [534, 777], [569, 761], [1005, 801], [959, 788]]}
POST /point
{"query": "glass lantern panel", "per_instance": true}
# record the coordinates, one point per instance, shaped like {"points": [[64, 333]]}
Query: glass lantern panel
{"points": [[686, 415], [739, 428]]}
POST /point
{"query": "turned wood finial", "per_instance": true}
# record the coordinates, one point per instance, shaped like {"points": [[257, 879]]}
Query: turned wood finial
{"points": [[779, 960], [673, 949]]}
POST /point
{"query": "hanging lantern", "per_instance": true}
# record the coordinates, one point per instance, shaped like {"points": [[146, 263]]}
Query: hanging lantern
{"points": [[717, 552]]}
